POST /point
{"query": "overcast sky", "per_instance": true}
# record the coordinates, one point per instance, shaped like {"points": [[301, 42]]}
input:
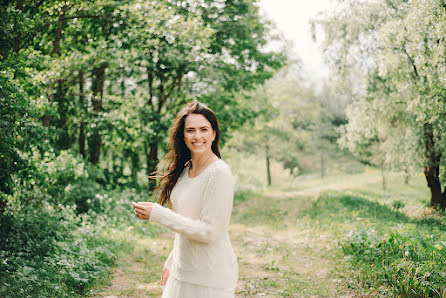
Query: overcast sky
{"points": [[292, 18]]}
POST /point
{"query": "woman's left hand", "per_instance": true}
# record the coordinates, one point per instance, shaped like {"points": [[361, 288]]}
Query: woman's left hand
{"points": [[142, 209]]}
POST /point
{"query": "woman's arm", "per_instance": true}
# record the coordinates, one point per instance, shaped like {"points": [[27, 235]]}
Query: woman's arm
{"points": [[214, 215]]}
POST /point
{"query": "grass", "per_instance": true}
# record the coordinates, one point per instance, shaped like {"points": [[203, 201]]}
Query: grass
{"points": [[389, 251]]}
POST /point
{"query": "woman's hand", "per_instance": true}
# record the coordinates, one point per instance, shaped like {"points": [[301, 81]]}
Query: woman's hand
{"points": [[142, 209], [164, 276]]}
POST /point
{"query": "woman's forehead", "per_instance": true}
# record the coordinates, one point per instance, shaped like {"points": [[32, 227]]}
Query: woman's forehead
{"points": [[196, 120]]}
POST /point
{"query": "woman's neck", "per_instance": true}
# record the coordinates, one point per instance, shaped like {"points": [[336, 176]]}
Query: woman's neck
{"points": [[201, 161]]}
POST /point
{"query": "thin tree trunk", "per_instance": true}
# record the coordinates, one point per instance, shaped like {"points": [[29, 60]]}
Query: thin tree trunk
{"points": [[134, 158], [64, 141], [58, 32], [97, 90], [118, 168], [322, 165], [152, 161], [82, 112], [383, 175], [406, 175], [268, 165], [432, 168]]}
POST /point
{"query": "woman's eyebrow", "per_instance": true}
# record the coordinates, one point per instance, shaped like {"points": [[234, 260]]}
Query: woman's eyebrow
{"points": [[207, 126]]}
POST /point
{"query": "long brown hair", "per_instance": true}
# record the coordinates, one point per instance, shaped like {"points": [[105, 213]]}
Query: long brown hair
{"points": [[179, 155]]}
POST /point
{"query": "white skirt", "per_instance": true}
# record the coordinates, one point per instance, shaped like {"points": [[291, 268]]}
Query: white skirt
{"points": [[180, 289]]}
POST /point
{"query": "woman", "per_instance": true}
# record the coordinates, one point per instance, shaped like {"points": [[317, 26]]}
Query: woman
{"points": [[199, 188]]}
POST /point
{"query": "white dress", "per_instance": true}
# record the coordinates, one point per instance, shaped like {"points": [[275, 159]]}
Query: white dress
{"points": [[202, 262], [179, 289]]}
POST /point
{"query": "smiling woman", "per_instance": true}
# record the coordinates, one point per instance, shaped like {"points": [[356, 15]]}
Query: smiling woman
{"points": [[198, 187]]}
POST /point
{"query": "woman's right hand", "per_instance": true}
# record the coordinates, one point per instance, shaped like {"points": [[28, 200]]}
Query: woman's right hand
{"points": [[164, 276]]}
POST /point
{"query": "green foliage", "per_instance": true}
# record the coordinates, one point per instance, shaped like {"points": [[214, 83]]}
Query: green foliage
{"points": [[73, 181], [53, 251], [397, 205], [385, 249], [42, 257], [18, 133], [409, 262]]}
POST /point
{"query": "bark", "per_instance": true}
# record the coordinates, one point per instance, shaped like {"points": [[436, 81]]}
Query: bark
{"points": [[118, 169], [152, 161], [322, 165], [60, 96], [383, 176], [97, 88], [432, 168], [406, 175], [268, 165], [58, 32], [82, 115], [134, 157]]}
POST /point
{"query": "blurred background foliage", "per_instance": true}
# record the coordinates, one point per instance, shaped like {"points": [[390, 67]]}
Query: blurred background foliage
{"points": [[88, 90]]}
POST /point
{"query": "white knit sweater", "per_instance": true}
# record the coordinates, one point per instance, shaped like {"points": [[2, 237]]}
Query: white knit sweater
{"points": [[200, 216]]}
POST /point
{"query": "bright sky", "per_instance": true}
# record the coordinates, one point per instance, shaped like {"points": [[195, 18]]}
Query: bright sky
{"points": [[292, 19]]}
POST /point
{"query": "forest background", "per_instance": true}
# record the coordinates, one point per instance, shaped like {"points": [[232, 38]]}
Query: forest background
{"points": [[89, 88]]}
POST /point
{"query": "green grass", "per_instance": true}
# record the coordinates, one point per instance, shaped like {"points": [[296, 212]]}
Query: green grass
{"points": [[389, 251]]}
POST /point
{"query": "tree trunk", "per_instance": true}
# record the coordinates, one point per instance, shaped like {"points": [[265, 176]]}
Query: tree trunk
{"points": [[322, 165], [58, 32], [82, 110], [118, 169], [64, 141], [268, 165], [432, 168], [383, 175], [134, 158], [406, 175], [97, 87], [152, 161]]}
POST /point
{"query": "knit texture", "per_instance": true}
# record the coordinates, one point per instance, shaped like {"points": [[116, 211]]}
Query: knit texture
{"points": [[200, 216]]}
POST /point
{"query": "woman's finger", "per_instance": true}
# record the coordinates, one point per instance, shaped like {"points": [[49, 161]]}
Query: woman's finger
{"points": [[165, 276], [140, 208], [136, 205]]}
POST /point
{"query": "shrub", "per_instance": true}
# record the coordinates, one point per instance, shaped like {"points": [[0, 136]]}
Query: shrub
{"points": [[52, 252], [410, 263]]}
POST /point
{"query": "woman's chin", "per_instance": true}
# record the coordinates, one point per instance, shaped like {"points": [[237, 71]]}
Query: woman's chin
{"points": [[200, 151]]}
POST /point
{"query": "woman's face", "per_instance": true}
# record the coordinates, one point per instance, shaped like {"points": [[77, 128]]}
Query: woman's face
{"points": [[198, 134]]}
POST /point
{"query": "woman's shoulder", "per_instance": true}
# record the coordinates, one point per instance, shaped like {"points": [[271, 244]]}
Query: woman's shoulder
{"points": [[220, 168]]}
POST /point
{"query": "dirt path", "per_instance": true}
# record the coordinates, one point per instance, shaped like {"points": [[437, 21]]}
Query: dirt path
{"points": [[279, 253]]}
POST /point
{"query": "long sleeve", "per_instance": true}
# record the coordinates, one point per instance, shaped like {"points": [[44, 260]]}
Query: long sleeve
{"points": [[215, 211]]}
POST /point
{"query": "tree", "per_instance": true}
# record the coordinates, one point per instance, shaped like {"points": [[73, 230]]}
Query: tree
{"points": [[208, 50], [296, 126], [399, 45], [106, 77]]}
